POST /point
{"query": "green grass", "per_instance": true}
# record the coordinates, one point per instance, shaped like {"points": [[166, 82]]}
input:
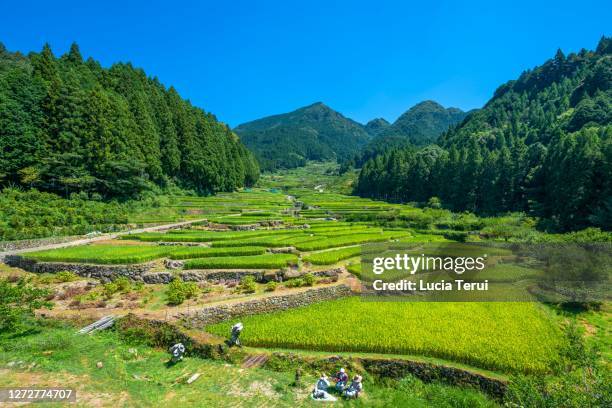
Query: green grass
{"points": [[141, 379], [333, 256], [509, 337], [346, 240], [268, 261], [279, 240], [130, 254], [206, 236]]}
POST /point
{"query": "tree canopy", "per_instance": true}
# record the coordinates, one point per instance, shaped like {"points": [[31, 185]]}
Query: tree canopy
{"points": [[542, 144], [68, 125]]}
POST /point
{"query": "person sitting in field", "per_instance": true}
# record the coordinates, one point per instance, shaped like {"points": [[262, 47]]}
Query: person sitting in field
{"points": [[355, 388], [322, 395], [323, 383], [341, 379]]}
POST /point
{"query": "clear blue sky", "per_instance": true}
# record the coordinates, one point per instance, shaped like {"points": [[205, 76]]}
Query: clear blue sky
{"points": [[243, 60]]}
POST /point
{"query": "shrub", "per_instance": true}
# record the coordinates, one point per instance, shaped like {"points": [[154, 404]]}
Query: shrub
{"points": [[191, 289], [247, 285], [179, 291], [109, 289], [46, 278], [294, 283], [66, 276], [17, 304], [271, 286], [124, 285], [308, 279], [434, 202]]}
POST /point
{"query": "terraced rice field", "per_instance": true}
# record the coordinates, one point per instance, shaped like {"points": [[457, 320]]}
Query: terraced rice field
{"points": [[333, 256], [499, 336], [131, 254], [268, 261], [351, 239], [508, 337]]}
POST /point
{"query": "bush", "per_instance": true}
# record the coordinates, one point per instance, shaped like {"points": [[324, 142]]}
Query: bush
{"points": [[308, 279], [109, 289], [18, 301], [124, 285], [66, 276], [271, 286], [179, 291], [294, 283], [434, 202], [247, 285]]}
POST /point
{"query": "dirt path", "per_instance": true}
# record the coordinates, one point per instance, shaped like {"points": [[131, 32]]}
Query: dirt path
{"points": [[102, 237]]}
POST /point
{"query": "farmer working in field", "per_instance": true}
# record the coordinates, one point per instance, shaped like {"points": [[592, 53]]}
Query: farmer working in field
{"points": [[235, 334], [177, 351]]}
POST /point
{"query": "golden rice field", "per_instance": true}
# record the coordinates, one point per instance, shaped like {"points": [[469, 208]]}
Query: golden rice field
{"points": [[501, 336]]}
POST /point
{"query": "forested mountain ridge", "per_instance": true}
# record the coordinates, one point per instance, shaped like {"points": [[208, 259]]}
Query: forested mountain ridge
{"points": [[375, 126], [418, 126], [424, 123], [314, 132], [71, 126], [542, 144]]}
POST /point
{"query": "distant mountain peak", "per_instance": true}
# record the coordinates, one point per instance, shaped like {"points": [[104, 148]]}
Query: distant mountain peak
{"points": [[378, 122], [316, 104], [375, 126], [424, 122], [312, 132]]}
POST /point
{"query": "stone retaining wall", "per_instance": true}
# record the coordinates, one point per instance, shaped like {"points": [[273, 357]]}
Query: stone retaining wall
{"points": [[35, 243], [427, 372], [158, 277], [381, 368], [216, 276], [216, 314], [105, 273]]}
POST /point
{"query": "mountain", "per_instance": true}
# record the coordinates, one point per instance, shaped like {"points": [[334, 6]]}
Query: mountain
{"points": [[541, 145], [314, 132], [423, 123], [420, 125], [71, 126], [375, 126]]}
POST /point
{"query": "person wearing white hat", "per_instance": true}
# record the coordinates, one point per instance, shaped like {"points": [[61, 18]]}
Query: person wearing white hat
{"points": [[341, 379]]}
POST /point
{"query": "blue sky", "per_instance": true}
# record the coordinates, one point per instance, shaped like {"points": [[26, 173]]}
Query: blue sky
{"points": [[243, 60]]}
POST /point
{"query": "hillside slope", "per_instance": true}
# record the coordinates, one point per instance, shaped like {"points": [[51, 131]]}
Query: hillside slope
{"points": [[542, 144], [71, 126], [418, 126], [423, 123], [376, 126], [314, 132]]}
